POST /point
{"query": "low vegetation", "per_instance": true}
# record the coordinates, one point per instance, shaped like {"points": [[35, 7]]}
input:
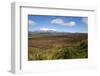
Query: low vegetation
{"points": [[57, 47]]}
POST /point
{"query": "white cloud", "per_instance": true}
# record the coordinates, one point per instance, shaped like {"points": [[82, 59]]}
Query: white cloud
{"points": [[60, 21], [47, 29], [32, 23], [85, 20], [57, 21], [71, 23]]}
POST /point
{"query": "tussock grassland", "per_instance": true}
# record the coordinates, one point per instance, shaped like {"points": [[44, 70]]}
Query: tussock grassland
{"points": [[57, 47]]}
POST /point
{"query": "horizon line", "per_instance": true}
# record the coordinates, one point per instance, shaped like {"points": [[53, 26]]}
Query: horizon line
{"points": [[57, 31]]}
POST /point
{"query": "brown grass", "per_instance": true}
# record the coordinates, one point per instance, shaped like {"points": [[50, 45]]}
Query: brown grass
{"points": [[44, 48]]}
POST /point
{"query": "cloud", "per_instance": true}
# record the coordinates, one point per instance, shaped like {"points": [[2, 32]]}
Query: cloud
{"points": [[60, 21], [47, 29], [85, 20], [57, 21], [32, 23], [71, 23]]}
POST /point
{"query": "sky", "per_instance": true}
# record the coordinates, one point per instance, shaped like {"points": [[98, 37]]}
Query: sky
{"points": [[57, 23]]}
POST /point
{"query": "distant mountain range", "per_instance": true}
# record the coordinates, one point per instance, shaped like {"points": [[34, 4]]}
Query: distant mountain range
{"points": [[53, 33]]}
